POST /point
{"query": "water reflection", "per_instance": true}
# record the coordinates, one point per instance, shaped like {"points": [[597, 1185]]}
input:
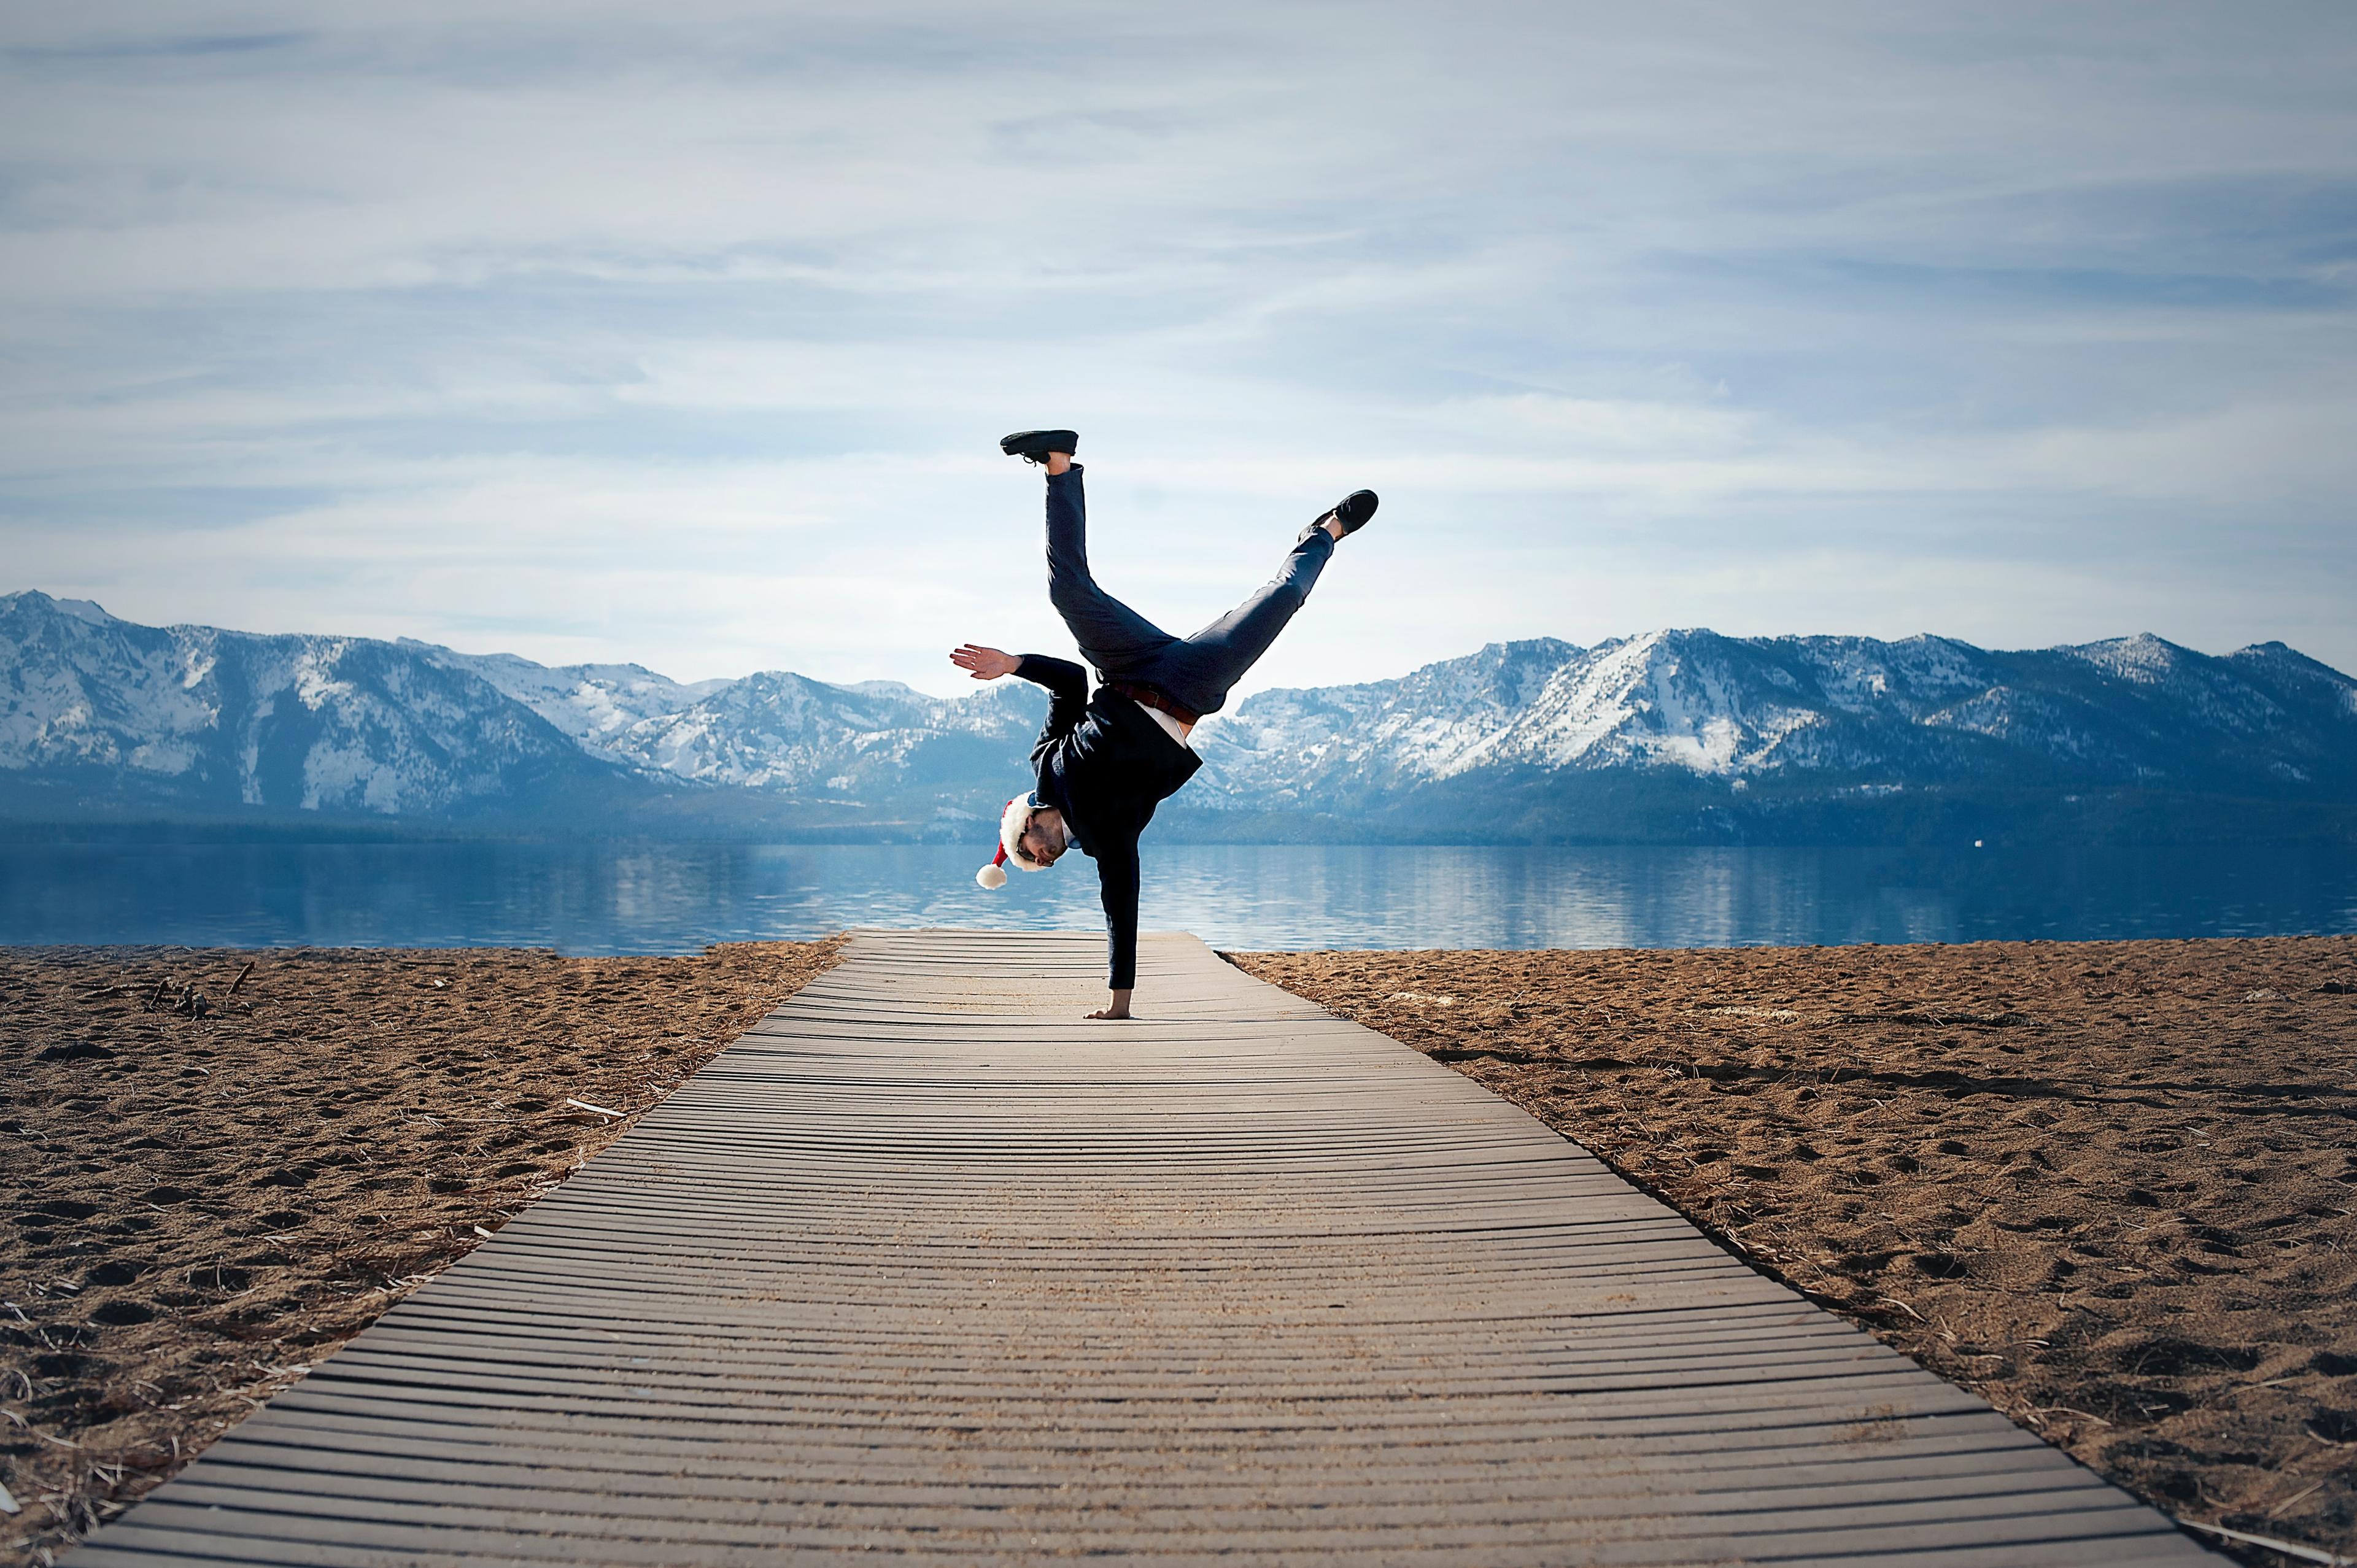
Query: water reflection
{"points": [[675, 897]]}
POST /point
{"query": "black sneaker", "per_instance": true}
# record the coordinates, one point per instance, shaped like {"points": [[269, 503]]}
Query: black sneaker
{"points": [[1033, 445], [1352, 511]]}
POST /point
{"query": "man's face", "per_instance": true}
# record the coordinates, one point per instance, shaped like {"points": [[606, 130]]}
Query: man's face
{"points": [[1043, 840]]}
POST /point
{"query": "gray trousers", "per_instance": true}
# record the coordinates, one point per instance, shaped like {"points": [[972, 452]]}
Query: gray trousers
{"points": [[1195, 671]]}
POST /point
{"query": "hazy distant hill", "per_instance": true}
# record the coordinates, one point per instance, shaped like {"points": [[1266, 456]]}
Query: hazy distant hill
{"points": [[1675, 736]]}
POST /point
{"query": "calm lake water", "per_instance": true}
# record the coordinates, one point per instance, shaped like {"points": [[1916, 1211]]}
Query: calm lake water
{"points": [[677, 898]]}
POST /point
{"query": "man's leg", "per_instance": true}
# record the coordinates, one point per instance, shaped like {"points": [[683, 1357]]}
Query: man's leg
{"points": [[1200, 670], [1121, 643]]}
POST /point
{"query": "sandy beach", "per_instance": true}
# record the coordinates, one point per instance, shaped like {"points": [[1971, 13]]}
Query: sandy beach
{"points": [[2106, 1186], [210, 1185]]}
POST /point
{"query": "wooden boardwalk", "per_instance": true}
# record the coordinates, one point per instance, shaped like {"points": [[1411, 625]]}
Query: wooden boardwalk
{"points": [[926, 1266]]}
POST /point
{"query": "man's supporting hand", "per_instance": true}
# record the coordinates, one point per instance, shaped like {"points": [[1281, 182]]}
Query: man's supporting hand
{"points": [[986, 663], [1119, 1009]]}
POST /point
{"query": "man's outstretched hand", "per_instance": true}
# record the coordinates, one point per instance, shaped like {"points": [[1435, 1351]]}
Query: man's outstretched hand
{"points": [[986, 663]]}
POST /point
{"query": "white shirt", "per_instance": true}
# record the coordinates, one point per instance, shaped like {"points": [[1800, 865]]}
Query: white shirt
{"points": [[1170, 726]]}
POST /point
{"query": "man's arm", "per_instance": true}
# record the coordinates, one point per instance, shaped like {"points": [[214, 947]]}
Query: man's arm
{"points": [[1067, 694], [1117, 885], [1065, 680]]}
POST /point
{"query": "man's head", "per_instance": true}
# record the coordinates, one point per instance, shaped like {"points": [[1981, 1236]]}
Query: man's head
{"points": [[1031, 835]]}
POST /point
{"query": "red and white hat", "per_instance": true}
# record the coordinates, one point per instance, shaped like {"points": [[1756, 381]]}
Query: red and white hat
{"points": [[1011, 823]]}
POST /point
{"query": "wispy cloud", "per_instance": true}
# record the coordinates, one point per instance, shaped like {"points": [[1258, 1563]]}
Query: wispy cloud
{"points": [[683, 335]]}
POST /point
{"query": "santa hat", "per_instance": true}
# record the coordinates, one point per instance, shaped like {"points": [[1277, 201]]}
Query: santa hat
{"points": [[1011, 823]]}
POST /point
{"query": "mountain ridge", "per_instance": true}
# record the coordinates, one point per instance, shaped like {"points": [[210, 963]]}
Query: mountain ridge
{"points": [[1680, 734]]}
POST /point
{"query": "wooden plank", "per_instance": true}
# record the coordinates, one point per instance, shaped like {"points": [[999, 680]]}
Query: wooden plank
{"points": [[925, 1266]]}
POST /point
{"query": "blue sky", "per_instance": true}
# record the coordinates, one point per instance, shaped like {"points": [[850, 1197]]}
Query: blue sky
{"points": [[684, 334]]}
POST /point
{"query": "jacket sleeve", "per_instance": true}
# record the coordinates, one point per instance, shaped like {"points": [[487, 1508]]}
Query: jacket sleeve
{"points": [[1117, 884], [1067, 696]]}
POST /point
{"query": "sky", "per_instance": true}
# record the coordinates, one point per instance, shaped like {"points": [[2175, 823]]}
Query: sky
{"points": [[684, 334]]}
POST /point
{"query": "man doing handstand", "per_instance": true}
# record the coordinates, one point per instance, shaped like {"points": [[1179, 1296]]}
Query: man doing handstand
{"points": [[1105, 761]]}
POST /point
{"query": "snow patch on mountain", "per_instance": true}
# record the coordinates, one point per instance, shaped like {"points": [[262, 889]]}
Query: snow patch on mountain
{"points": [[773, 731], [596, 704], [782, 731], [312, 723]]}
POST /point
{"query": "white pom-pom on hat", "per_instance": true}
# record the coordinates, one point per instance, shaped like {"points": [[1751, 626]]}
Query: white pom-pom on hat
{"points": [[993, 876]]}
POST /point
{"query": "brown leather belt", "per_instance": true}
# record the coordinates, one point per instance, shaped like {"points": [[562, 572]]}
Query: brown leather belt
{"points": [[1147, 697]]}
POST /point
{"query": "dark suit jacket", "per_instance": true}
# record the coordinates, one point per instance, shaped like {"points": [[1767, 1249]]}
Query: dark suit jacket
{"points": [[1104, 764]]}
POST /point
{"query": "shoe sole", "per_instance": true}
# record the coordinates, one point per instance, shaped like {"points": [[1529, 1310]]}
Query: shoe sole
{"points": [[1349, 503], [1032, 445]]}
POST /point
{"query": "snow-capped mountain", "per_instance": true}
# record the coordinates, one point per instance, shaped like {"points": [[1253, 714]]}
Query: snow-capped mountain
{"points": [[2136, 711], [194, 716], [1643, 736], [778, 730], [596, 705], [310, 724], [774, 731]]}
